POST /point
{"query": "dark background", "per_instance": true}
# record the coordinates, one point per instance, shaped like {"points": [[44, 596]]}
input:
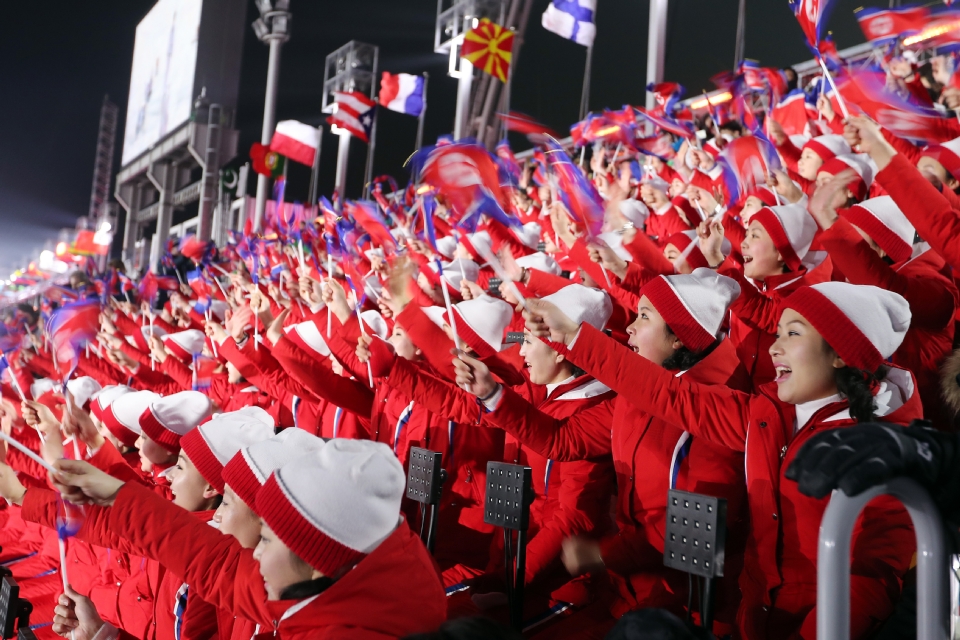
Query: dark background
{"points": [[60, 58]]}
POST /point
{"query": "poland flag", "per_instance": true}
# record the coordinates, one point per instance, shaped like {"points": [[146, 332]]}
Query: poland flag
{"points": [[296, 141], [402, 93]]}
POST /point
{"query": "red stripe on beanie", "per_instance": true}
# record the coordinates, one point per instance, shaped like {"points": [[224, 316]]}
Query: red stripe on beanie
{"points": [[198, 451], [466, 333], [676, 315], [119, 431], [774, 228], [822, 151], [177, 350], [837, 329], [154, 429], [892, 244], [310, 544], [241, 478]]}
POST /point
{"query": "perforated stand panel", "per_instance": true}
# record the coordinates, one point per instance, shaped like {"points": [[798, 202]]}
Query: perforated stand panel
{"points": [[508, 496], [424, 483], [696, 533], [9, 606]]}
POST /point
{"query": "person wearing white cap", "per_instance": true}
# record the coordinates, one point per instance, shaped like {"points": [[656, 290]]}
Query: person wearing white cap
{"points": [[329, 563], [777, 261], [872, 243], [677, 328], [833, 341]]}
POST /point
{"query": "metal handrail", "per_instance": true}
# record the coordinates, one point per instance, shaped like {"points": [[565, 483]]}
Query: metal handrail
{"points": [[833, 560]]}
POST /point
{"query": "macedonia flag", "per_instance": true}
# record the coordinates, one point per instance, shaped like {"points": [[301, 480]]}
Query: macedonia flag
{"points": [[489, 47]]}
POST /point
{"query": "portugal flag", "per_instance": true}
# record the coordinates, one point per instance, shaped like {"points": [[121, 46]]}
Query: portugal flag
{"points": [[489, 47]]}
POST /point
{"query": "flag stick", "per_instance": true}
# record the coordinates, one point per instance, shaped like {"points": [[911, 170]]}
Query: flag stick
{"points": [[585, 94], [27, 452], [423, 112], [213, 343], [446, 301], [329, 275], [363, 332], [840, 101], [152, 365], [502, 274]]}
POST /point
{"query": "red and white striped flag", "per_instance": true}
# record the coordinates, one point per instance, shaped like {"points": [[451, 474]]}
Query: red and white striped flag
{"points": [[354, 113]]}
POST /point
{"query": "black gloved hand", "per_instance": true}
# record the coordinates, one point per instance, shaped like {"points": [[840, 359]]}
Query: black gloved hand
{"points": [[856, 458]]}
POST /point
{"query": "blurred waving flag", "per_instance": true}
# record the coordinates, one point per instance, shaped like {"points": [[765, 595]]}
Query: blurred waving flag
{"points": [[151, 284], [881, 26], [522, 123], [746, 162], [70, 327], [812, 15], [354, 113], [665, 96], [10, 339], [867, 90], [366, 215], [792, 113], [572, 19], [578, 194], [489, 47], [402, 93], [296, 140]]}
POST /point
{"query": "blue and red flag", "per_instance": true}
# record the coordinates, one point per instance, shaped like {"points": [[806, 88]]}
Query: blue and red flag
{"points": [[680, 128], [69, 328], [507, 161], [577, 193], [746, 162], [883, 26], [366, 215], [812, 15], [522, 123], [666, 96], [151, 284]]}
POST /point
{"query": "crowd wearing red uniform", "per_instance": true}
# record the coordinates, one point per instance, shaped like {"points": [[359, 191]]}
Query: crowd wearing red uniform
{"points": [[696, 343]]}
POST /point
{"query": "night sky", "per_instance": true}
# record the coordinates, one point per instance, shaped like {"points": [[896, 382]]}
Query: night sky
{"points": [[60, 58]]}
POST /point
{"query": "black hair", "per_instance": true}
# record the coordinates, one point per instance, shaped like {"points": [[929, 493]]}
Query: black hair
{"points": [[732, 126], [684, 358], [856, 386], [475, 628], [307, 588], [576, 371]]}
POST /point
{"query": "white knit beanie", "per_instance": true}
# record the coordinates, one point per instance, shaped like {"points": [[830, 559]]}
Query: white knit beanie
{"points": [[947, 154], [634, 211], [185, 344], [453, 273], [122, 416], [541, 262], [862, 323], [478, 244], [863, 170], [481, 323], [693, 305], [83, 389], [828, 146], [375, 323], [436, 315], [168, 419], [357, 509], [528, 235], [614, 241], [249, 469], [41, 386], [881, 219], [791, 228], [583, 304], [105, 398], [307, 336], [211, 445], [447, 246]]}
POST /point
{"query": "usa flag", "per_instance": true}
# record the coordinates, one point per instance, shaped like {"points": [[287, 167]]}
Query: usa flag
{"points": [[354, 113]]}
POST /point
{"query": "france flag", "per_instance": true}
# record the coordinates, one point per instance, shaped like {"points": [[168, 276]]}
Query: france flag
{"points": [[402, 93]]}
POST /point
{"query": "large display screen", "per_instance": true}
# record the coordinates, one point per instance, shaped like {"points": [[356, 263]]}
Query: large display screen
{"points": [[161, 83]]}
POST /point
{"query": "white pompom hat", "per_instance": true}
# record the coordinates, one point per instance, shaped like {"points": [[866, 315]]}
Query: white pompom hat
{"points": [[583, 304], [881, 219], [791, 228], [541, 262], [122, 415], [185, 344], [864, 324], [248, 470], [83, 389], [693, 305], [481, 323], [168, 419], [211, 445], [358, 508]]}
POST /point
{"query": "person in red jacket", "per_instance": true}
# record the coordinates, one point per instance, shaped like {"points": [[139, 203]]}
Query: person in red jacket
{"points": [[833, 340], [336, 563], [777, 261], [678, 324], [872, 243]]}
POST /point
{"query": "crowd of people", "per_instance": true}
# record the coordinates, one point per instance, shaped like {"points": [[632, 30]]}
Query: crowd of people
{"points": [[231, 458]]}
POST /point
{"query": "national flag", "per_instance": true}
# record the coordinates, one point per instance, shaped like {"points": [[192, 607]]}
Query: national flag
{"points": [[659, 146], [867, 90], [941, 32], [489, 47], [572, 19], [507, 161], [366, 215], [69, 328], [457, 170], [151, 284], [428, 207], [354, 113], [887, 25], [266, 162], [666, 95], [402, 93], [10, 339], [200, 251], [522, 123], [296, 140], [812, 15], [577, 193], [746, 162], [680, 128], [205, 369], [791, 113], [199, 284], [330, 215]]}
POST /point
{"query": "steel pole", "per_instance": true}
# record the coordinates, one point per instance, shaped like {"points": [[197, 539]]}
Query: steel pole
{"points": [[343, 154], [585, 96], [131, 229], [315, 173], [423, 112], [462, 121], [656, 45], [269, 122]]}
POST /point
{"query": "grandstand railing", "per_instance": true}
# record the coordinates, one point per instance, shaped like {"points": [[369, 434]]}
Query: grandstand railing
{"points": [[833, 560]]}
